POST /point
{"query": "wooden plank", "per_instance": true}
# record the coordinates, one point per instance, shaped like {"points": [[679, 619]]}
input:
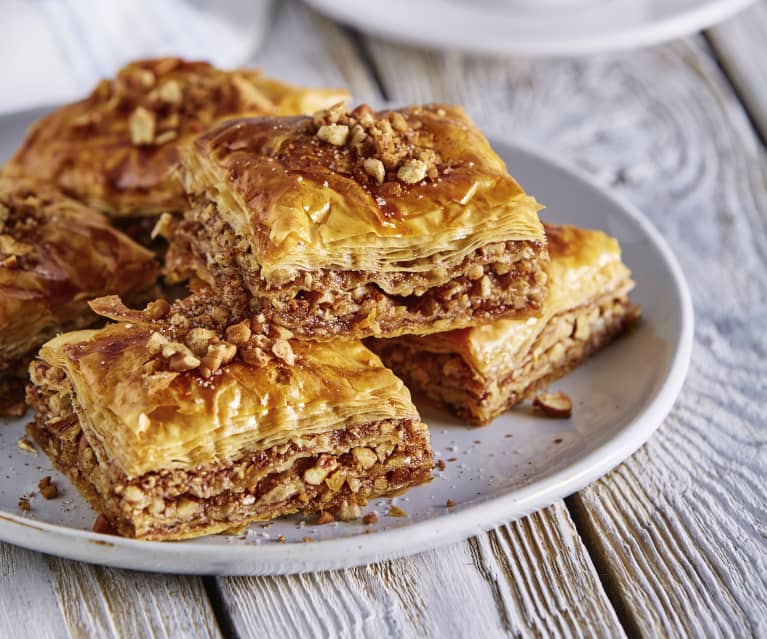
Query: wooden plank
{"points": [[103, 602], [27, 599], [306, 48], [532, 578], [679, 530], [739, 45]]}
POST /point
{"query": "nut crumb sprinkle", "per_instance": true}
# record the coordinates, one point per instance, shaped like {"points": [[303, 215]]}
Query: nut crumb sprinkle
{"points": [[308, 540], [441, 465], [24, 504], [385, 146], [557, 405], [396, 511], [369, 519], [48, 488], [281, 539], [449, 503], [24, 444]]}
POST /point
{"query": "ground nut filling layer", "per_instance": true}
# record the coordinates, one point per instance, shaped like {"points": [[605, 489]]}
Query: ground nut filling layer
{"points": [[501, 280], [334, 472], [568, 339]]}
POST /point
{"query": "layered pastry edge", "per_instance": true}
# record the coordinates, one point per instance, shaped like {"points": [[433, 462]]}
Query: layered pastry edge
{"points": [[193, 466], [328, 247], [479, 373]]}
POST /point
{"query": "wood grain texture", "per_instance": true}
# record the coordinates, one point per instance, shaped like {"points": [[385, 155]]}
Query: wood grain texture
{"points": [[532, 578], [27, 599], [104, 602], [739, 44], [679, 529], [306, 48]]}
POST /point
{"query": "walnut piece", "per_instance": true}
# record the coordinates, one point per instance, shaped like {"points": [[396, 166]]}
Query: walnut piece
{"points": [[239, 333], [412, 171], [557, 405], [375, 169], [48, 489], [282, 349], [335, 134], [142, 126]]}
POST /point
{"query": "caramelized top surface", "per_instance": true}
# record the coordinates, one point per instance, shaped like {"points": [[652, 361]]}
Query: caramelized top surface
{"points": [[116, 148], [303, 202], [56, 253], [144, 418], [585, 265]]}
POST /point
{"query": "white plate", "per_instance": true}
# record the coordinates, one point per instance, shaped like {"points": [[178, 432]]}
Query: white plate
{"points": [[502, 472], [531, 27]]}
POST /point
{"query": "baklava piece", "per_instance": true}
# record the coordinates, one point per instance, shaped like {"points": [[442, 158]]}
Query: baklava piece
{"points": [[55, 254], [174, 425], [481, 372], [352, 224], [116, 149]]}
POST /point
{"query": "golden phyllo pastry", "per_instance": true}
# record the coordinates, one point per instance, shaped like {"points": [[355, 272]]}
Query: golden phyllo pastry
{"points": [[55, 254], [351, 224], [174, 423], [116, 149], [480, 372]]}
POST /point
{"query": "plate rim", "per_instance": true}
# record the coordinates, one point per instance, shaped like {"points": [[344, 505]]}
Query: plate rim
{"points": [[674, 26], [362, 549]]}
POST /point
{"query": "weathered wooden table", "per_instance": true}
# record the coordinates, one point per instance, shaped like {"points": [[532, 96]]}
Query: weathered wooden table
{"points": [[671, 543]]}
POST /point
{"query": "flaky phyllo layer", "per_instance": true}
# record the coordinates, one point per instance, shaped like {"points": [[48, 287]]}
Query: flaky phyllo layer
{"points": [[427, 189], [150, 399], [585, 266]]}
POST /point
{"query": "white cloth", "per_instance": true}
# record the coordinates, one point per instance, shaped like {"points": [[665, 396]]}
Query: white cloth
{"points": [[53, 51]]}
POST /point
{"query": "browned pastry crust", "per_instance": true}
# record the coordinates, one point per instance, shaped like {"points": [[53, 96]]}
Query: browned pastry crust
{"points": [[55, 254], [481, 372], [569, 338], [358, 224], [169, 439], [116, 149]]}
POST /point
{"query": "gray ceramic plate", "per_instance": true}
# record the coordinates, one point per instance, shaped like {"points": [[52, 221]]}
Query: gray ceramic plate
{"points": [[502, 472]]}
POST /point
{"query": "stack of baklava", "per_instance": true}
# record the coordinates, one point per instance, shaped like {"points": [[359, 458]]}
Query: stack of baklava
{"points": [[298, 236]]}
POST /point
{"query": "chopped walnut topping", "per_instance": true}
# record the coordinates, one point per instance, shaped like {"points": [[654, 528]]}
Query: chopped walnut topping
{"points": [[216, 357], [440, 465], [180, 359], [369, 519], [239, 333], [282, 349], [375, 168], [412, 171], [199, 339], [142, 126], [158, 309], [335, 134], [170, 91], [381, 142]]}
